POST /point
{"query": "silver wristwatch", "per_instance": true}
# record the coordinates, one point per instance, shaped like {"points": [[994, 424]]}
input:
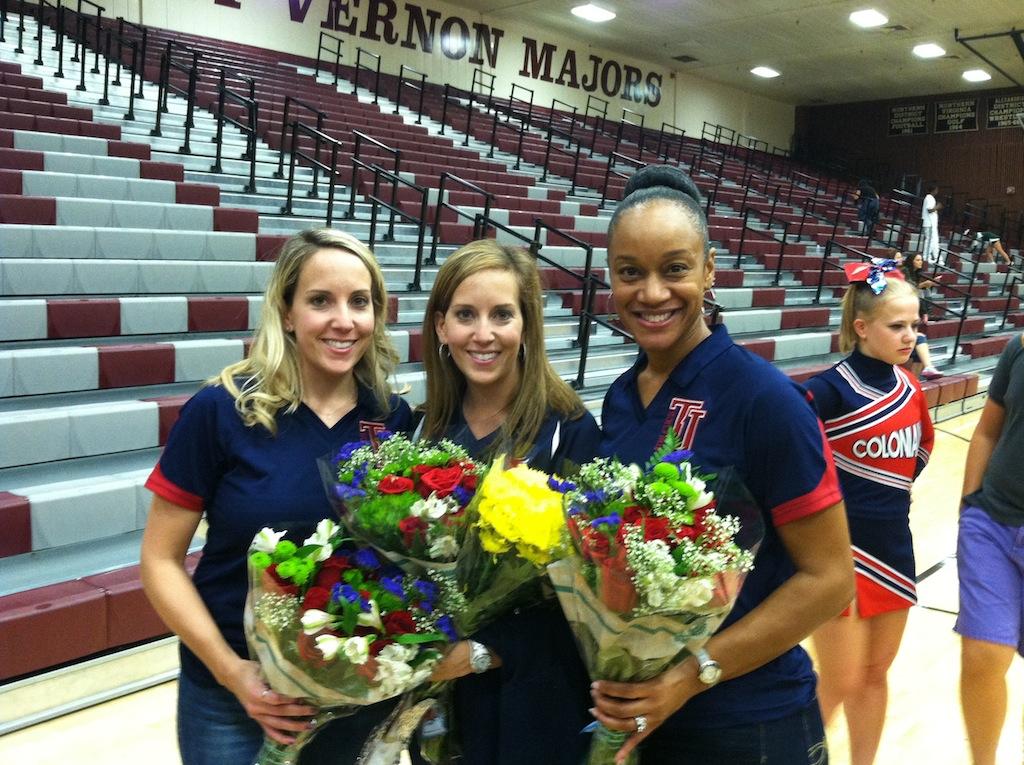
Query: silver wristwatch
{"points": [[479, 657], [708, 671]]}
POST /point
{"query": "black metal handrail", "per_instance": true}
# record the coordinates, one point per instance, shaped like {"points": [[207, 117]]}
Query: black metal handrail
{"points": [[331, 170], [572, 118], [529, 103], [421, 223], [745, 226], [1014, 287], [442, 204], [321, 49], [360, 52], [167, 63], [97, 24], [360, 139], [141, 46], [250, 130], [320, 117], [664, 137], [422, 87], [40, 10], [520, 133], [610, 168], [479, 75], [713, 196], [593, 100], [575, 155], [622, 125]]}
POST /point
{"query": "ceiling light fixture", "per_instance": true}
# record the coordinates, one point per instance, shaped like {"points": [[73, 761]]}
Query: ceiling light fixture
{"points": [[977, 75], [868, 18], [929, 50], [591, 12], [764, 71]]}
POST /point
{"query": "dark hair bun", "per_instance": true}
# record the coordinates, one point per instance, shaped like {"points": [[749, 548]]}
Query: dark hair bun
{"points": [[662, 176]]}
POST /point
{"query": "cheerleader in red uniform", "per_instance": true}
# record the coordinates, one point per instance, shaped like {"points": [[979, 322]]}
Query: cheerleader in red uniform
{"points": [[877, 423]]}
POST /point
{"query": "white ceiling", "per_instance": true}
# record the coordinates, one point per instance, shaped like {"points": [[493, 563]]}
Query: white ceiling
{"points": [[823, 58]]}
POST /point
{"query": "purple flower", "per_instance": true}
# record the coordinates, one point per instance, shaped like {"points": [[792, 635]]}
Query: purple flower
{"points": [[462, 495], [345, 592], [560, 486], [384, 435], [595, 495], [367, 558], [448, 628], [347, 450], [344, 492], [612, 519], [393, 585], [426, 606], [679, 455], [427, 588]]}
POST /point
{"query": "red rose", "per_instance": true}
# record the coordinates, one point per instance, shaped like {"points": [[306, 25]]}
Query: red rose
{"points": [[688, 532], [411, 529], [398, 623], [656, 528], [331, 571], [633, 514], [469, 481], [278, 584], [440, 481], [316, 597], [596, 544], [395, 484], [419, 470]]}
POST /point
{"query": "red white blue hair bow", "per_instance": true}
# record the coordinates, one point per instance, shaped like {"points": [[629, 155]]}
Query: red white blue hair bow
{"points": [[873, 273]]}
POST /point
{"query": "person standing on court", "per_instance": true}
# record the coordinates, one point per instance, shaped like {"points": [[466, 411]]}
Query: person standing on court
{"points": [[877, 422], [243, 455], [990, 556], [749, 697], [930, 226]]}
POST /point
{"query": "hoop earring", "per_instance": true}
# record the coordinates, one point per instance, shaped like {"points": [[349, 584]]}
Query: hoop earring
{"points": [[442, 351]]}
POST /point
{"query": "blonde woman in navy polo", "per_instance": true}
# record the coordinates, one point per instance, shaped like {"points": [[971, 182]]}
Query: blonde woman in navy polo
{"points": [[243, 453]]}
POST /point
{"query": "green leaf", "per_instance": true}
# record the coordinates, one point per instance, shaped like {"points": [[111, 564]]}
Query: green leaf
{"points": [[414, 638]]}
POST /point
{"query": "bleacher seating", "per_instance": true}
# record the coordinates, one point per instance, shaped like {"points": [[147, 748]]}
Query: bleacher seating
{"points": [[131, 272]]}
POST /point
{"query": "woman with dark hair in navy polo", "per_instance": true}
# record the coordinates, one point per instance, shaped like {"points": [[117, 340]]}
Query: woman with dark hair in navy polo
{"points": [[520, 695], [749, 697], [243, 453]]}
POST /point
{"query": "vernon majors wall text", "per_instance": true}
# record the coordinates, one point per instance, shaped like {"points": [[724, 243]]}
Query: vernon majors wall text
{"points": [[419, 28]]}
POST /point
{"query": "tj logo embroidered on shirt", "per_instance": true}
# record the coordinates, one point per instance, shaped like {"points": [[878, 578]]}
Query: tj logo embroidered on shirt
{"points": [[684, 416]]}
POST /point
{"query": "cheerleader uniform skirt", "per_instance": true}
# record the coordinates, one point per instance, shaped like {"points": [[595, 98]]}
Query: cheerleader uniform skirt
{"points": [[883, 560]]}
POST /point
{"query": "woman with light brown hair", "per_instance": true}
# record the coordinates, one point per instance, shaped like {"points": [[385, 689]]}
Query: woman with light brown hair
{"points": [[521, 693]]}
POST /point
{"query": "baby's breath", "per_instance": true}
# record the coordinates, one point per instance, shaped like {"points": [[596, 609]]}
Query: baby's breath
{"points": [[277, 610]]}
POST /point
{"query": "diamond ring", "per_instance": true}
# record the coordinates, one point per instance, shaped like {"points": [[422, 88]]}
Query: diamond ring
{"points": [[641, 723]]}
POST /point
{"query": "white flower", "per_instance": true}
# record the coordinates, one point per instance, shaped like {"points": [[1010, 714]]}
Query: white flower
{"points": [[445, 547], [393, 671], [322, 536], [315, 620], [433, 507], [397, 652], [329, 645], [371, 619], [357, 649], [692, 593], [267, 540]]}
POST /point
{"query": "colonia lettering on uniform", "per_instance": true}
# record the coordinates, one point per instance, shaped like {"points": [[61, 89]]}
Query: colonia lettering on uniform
{"points": [[901, 443]]}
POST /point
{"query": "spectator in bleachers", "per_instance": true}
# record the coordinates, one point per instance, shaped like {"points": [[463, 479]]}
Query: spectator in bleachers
{"points": [[930, 225], [730, 408], [877, 423], [868, 205], [990, 556], [243, 454], [914, 273], [521, 691], [988, 244]]}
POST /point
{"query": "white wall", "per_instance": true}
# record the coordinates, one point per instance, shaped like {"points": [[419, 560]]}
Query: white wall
{"points": [[685, 100]]}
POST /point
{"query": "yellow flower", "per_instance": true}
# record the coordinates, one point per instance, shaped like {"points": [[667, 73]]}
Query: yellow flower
{"points": [[517, 507]]}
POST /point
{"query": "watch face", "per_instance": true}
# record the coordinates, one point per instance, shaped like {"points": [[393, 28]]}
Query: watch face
{"points": [[710, 673]]}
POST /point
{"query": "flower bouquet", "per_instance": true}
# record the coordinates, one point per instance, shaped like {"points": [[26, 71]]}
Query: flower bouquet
{"points": [[333, 624], [657, 567], [405, 498]]}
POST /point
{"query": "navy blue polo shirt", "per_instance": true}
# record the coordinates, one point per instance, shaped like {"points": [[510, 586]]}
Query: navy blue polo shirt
{"points": [[732, 408], [245, 478]]}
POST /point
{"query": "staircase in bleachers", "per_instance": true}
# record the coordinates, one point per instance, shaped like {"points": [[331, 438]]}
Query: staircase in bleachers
{"points": [[130, 272]]}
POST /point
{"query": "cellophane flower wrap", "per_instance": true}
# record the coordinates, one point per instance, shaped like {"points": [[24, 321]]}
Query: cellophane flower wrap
{"points": [[338, 625], [405, 498], [516, 527], [658, 562]]}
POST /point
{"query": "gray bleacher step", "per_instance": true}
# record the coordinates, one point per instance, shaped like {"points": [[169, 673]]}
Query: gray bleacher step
{"points": [[292, 224]]}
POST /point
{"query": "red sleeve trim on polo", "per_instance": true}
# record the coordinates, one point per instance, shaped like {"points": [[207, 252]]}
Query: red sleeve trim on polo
{"points": [[822, 497], [160, 485]]}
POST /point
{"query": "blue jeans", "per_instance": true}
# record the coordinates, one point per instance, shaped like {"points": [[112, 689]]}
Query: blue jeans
{"points": [[795, 740], [213, 729]]}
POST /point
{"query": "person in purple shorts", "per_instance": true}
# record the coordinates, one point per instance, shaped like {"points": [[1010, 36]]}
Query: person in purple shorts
{"points": [[990, 556]]}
